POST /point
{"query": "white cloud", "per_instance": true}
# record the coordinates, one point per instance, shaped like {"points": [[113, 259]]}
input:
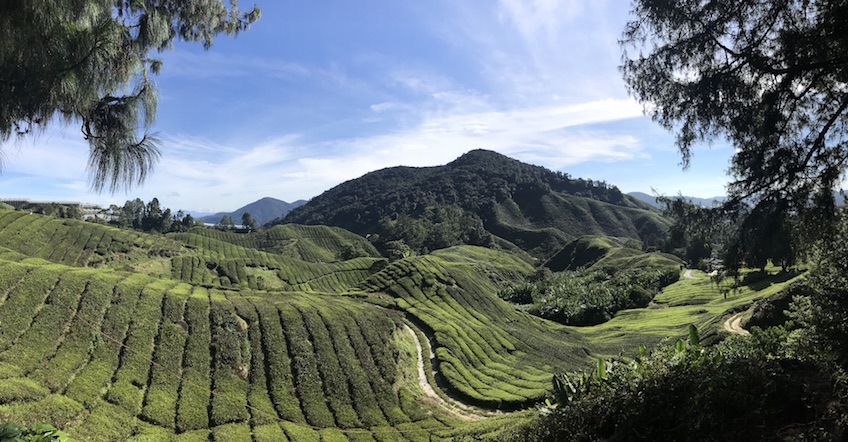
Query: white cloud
{"points": [[545, 17], [197, 174], [56, 152]]}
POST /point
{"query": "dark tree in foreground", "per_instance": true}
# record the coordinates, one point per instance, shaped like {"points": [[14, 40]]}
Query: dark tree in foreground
{"points": [[769, 76], [89, 62]]}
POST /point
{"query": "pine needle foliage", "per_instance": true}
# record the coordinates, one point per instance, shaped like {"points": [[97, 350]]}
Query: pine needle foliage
{"points": [[89, 61]]}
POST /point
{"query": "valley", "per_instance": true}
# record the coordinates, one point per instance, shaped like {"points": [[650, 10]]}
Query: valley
{"points": [[114, 334]]}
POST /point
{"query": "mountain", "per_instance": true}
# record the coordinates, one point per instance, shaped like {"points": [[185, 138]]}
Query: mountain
{"points": [[652, 200], [481, 198], [263, 211]]}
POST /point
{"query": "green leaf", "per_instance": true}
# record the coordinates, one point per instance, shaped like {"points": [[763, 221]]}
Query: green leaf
{"points": [[602, 370], [694, 339], [9, 430]]}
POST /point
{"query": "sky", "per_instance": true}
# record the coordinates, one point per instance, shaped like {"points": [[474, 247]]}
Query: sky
{"points": [[318, 93]]}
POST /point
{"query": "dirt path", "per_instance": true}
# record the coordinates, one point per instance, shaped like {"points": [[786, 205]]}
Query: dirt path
{"points": [[734, 325], [453, 407], [688, 274]]}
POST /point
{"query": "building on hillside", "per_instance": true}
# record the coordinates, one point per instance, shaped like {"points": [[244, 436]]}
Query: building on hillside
{"points": [[86, 210]]}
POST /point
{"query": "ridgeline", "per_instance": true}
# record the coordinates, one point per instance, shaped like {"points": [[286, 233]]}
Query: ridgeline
{"points": [[482, 198]]}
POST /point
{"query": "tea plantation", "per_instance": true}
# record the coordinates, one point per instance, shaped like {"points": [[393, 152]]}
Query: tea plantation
{"points": [[294, 333]]}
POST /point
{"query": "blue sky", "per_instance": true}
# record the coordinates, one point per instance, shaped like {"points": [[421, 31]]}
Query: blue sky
{"points": [[317, 93]]}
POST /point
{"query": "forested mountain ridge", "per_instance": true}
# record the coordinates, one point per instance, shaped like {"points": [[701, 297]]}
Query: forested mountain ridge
{"points": [[478, 198]]}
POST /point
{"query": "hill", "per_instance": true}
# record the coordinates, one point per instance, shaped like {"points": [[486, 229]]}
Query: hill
{"points": [[114, 334], [482, 198], [594, 251], [263, 211]]}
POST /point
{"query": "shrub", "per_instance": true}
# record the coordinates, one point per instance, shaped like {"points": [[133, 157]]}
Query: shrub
{"points": [[588, 297], [38, 432], [743, 389]]}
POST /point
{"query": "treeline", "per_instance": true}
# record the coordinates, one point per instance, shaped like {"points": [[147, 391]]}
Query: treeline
{"points": [[769, 232], [57, 210], [437, 228], [589, 297], [150, 217]]}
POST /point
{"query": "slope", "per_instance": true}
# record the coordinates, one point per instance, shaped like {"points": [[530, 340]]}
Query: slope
{"points": [[596, 251], [263, 211], [104, 338], [489, 353], [480, 195], [126, 345]]}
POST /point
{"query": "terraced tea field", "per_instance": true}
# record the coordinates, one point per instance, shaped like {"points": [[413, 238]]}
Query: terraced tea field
{"points": [[696, 300], [117, 335], [489, 352]]}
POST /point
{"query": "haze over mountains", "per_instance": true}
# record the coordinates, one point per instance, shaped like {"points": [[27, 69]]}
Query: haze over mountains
{"points": [[652, 200], [263, 211]]}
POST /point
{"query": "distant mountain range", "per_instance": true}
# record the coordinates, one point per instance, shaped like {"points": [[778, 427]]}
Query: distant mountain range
{"points": [[652, 200], [481, 198], [838, 198], [263, 211]]}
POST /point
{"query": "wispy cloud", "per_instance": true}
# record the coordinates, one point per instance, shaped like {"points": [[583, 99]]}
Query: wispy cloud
{"points": [[200, 174], [290, 169], [198, 65]]}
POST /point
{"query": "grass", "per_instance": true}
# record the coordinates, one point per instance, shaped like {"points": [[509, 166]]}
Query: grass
{"points": [[194, 390], [603, 251]]}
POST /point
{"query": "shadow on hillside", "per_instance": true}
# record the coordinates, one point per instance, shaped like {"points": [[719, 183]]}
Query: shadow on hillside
{"points": [[761, 280]]}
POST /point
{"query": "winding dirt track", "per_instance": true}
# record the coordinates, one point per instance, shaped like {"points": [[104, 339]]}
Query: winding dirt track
{"points": [[734, 325], [456, 408]]}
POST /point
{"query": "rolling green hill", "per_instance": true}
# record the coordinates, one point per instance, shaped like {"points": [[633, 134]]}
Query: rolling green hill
{"points": [[111, 335], [117, 335], [598, 251], [490, 353], [477, 196]]}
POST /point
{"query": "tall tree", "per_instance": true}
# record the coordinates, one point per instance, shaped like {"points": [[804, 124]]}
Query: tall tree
{"points": [[89, 61], [767, 75], [226, 223], [248, 222]]}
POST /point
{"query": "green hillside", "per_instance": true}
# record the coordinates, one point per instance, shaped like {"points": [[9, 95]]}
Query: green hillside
{"points": [[599, 252], [117, 335], [307, 243], [490, 353], [477, 198]]}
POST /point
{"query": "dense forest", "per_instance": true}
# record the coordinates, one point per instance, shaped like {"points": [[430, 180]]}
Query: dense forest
{"points": [[482, 198]]}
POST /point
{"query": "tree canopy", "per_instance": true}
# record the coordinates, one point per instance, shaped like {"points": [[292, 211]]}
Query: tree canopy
{"points": [[89, 61], [768, 75]]}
